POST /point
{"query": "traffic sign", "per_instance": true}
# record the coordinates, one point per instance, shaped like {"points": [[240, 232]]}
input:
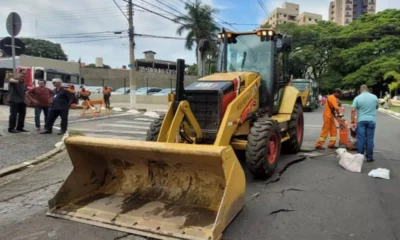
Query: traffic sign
{"points": [[6, 43], [130, 65], [13, 24]]}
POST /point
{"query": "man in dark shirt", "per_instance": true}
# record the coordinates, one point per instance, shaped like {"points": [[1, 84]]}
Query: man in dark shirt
{"points": [[59, 108], [41, 98], [16, 100]]}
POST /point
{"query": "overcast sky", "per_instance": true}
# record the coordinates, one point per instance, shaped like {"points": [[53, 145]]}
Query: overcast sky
{"points": [[42, 18]]}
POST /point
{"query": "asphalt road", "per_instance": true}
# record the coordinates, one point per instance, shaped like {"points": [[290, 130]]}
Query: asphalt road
{"points": [[20, 147], [312, 199]]}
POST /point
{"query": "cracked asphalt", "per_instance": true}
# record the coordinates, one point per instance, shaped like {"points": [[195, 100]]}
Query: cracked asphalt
{"points": [[308, 198]]}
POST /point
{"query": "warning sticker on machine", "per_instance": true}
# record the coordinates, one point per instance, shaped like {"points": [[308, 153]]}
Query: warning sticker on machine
{"points": [[206, 85]]}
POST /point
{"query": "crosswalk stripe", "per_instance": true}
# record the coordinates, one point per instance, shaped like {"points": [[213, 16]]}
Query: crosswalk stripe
{"points": [[122, 126], [135, 122], [113, 136], [88, 130], [145, 119]]}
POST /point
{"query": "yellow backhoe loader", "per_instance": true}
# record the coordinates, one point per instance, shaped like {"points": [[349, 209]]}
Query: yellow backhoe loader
{"points": [[186, 181]]}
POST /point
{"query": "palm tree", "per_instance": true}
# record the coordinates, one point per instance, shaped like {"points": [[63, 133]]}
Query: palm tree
{"points": [[200, 25]]}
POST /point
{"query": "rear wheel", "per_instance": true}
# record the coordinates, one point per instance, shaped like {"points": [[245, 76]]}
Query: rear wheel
{"points": [[263, 148], [295, 130], [154, 130], [5, 98]]}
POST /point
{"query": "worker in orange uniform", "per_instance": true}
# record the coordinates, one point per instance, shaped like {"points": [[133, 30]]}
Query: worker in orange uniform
{"points": [[74, 102], [329, 127], [84, 95], [106, 96]]}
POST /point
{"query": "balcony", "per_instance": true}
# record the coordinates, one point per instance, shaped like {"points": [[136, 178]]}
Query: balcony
{"points": [[348, 15], [349, 1], [349, 9]]}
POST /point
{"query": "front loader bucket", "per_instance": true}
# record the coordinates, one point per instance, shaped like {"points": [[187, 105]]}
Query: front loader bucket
{"points": [[159, 190]]}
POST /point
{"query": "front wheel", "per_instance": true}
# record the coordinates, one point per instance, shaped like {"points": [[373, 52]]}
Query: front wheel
{"points": [[154, 130], [263, 148]]}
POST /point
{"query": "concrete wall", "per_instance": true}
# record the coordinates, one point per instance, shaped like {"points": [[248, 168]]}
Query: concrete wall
{"points": [[117, 78]]}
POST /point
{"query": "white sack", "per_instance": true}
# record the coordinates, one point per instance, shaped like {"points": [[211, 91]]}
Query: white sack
{"points": [[351, 162], [380, 173]]}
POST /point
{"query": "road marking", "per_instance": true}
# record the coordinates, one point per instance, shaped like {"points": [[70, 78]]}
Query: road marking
{"points": [[144, 119], [88, 130], [134, 122], [113, 136], [122, 126], [313, 126]]}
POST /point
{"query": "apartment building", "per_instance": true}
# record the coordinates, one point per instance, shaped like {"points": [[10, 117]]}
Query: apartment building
{"points": [[307, 18], [290, 12], [343, 12]]}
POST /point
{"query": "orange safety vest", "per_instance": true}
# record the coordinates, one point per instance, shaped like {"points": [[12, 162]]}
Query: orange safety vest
{"points": [[85, 93], [106, 91], [71, 90], [331, 106]]}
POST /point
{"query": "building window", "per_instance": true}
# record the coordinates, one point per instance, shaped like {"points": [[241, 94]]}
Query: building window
{"points": [[284, 15], [309, 19]]}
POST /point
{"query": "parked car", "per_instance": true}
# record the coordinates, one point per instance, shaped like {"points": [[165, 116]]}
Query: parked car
{"points": [[121, 91], [165, 92], [147, 90], [94, 89]]}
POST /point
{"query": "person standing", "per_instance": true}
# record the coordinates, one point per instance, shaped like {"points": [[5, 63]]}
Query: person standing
{"points": [[16, 100], [329, 126], [41, 98], [59, 108], [106, 96], [364, 107]]}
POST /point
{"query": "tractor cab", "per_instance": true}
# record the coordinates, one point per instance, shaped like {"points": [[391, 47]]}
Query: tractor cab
{"points": [[242, 59]]}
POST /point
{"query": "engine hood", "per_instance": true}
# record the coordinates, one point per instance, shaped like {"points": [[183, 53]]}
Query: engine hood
{"points": [[229, 76]]}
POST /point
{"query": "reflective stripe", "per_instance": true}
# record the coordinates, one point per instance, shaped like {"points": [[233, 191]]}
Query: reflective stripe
{"points": [[332, 138], [322, 139]]}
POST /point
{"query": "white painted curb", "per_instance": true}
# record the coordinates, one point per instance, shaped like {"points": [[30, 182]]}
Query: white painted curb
{"points": [[117, 109], [151, 114], [133, 111]]}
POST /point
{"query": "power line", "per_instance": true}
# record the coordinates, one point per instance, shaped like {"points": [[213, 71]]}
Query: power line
{"points": [[121, 10]]}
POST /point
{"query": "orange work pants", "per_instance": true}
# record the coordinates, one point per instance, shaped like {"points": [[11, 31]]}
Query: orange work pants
{"points": [[329, 127]]}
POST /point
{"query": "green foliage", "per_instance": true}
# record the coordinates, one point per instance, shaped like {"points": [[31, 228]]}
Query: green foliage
{"points": [[192, 69], [367, 51], [92, 65], [198, 22], [43, 48], [393, 78]]}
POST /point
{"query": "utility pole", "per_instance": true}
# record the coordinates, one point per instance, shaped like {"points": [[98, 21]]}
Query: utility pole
{"points": [[131, 56]]}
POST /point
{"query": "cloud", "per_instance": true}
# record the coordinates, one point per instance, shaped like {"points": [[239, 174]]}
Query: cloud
{"points": [[43, 18]]}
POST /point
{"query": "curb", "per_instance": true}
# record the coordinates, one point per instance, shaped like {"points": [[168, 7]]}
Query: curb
{"points": [[395, 114], [42, 158]]}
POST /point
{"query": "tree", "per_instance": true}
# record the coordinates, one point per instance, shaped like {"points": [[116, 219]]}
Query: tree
{"points": [[92, 65], [199, 25], [393, 79], [192, 69], [43, 48]]}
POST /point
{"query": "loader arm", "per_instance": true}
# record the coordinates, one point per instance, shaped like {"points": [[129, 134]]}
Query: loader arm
{"points": [[236, 112], [171, 124], [304, 96]]}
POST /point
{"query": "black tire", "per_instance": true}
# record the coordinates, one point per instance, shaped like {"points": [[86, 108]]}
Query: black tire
{"points": [[5, 98], [258, 151], [293, 145], [154, 130]]}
